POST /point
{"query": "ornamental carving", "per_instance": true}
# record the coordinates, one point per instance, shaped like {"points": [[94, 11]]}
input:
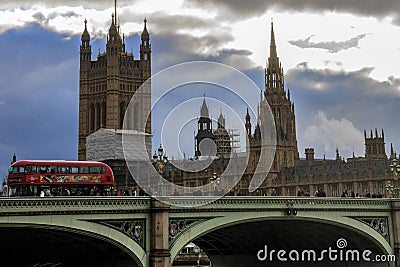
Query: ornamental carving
{"points": [[134, 229], [177, 226], [380, 225]]}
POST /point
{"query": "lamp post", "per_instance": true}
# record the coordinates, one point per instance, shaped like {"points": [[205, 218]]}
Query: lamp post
{"points": [[395, 169], [389, 189], [160, 159], [214, 181]]}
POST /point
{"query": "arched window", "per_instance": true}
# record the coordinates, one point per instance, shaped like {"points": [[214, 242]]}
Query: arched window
{"points": [[121, 114], [98, 117], [91, 119], [136, 116], [104, 114], [274, 80]]}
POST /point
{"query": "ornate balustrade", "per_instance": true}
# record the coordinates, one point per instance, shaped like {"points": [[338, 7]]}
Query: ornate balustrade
{"points": [[64, 205], [273, 203], [73, 205]]}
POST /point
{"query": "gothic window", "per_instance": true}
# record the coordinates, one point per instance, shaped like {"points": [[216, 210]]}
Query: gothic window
{"points": [[121, 114], [98, 117], [104, 114], [274, 80], [91, 119], [145, 56], [136, 117]]}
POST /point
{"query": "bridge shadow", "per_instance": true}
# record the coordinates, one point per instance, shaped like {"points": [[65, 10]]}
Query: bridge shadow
{"points": [[33, 246]]}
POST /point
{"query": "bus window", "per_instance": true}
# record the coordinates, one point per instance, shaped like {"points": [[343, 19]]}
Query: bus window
{"points": [[97, 169], [62, 169], [17, 169], [51, 169], [30, 169], [83, 169], [102, 170], [42, 169], [74, 170]]}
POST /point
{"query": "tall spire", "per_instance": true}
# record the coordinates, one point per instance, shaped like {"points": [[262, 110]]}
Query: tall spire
{"points": [[272, 48], [115, 11], [248, 123], [221, 120], [145, 33], [204, 109], [85, 34], [274, 73], [392, 153]]}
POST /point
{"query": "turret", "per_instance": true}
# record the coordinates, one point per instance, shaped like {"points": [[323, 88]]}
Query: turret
{"points": [[145, 52], [85, 49], [204, 129], [375, 145], [221, 121], [248, 123], [114, 40]]}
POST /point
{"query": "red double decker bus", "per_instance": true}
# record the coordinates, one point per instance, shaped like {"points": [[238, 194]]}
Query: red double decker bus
{"points": [[59, 178]]}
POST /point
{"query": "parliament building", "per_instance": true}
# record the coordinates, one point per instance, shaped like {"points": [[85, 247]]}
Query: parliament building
{"points": [[108, 83]]}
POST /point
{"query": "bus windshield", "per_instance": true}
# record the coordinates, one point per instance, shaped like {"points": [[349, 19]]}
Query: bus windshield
{"points": [[16, 169]]}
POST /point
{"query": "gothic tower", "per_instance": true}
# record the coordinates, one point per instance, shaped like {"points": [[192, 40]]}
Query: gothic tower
{"points": [[107, 84], [375, 146], [204, 131], [283, 110]]}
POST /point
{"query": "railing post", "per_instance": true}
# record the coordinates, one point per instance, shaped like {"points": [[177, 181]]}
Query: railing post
{"points": [[159, 246]]}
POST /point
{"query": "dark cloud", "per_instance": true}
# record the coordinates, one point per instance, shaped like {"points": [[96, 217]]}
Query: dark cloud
{"points": [[332, 46], [92, 4], [164, 22], [237, 9], [173, 49], [177, 48], [344, 96], [69, 14], [39, 17]]}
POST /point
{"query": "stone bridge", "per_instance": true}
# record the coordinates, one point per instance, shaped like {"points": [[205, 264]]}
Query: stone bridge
{"points": [[232, 231]]}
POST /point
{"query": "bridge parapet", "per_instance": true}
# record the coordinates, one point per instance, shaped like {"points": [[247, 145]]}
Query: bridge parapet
{"points": [[73, 205], [275, 203]]}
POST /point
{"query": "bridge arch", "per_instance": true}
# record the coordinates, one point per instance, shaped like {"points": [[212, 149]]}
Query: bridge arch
{"points": [[354, 231], [104, 245]]}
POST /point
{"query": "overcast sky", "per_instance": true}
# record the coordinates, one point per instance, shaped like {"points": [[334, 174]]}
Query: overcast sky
{"points": [[341, 61]]}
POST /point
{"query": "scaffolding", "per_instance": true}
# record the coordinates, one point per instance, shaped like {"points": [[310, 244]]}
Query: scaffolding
{"points": [[227, 141]]}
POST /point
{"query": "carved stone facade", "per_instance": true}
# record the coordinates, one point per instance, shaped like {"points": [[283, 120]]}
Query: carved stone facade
{"points": [[107, 84]]}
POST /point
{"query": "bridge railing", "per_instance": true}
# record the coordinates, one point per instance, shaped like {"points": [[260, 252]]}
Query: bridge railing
{"points": [[265, 203], [65, 205]]}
